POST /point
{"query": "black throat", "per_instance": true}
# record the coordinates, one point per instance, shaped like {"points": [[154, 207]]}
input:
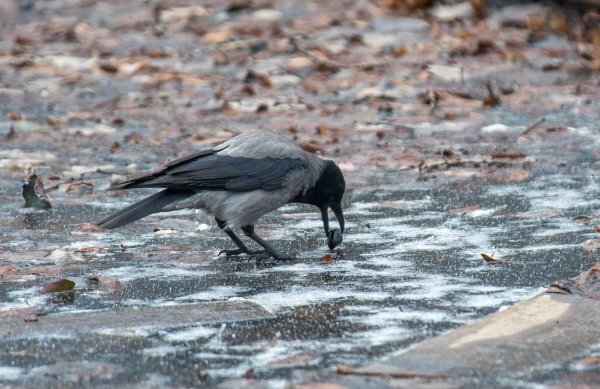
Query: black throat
{"points": [[329, 187]]}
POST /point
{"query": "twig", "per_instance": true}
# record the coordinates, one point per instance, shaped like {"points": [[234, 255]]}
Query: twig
{"points": [[347, 370], [534, 125], [460, 162], [334, 64]]}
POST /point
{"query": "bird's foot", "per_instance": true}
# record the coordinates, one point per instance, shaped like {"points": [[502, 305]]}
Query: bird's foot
{"points": [[236, 252]]}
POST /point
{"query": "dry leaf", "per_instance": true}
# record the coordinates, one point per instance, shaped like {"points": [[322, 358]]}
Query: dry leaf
{"points": [[326, 259], [90, 228], [60, 285], [591, 361], [299, 359], [347, 370], [491, 260], [508, 155], [6, 269], [90, 249], [582, 219]]}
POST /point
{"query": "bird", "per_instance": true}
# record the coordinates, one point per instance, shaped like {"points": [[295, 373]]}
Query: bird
{"points": [[237, 182]]}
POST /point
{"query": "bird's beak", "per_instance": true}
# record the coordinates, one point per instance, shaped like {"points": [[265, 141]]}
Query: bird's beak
{"points": [[334, 237], [339, 215]]}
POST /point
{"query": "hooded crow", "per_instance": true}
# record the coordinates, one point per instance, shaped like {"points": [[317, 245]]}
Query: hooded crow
{"points": [[239, 181]]}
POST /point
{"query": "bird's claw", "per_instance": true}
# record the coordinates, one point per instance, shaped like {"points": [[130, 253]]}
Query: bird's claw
{"points": [[259, 254], [235, 252]]}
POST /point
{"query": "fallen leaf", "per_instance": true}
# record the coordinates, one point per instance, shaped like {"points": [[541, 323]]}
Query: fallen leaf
{"points": [[322, 385], [295, 360], [491, 260], [15, 116], [30, 319], [592, 243], [311, 147], [7, 268], [327, 259], [105, 283], [108, 67], [90, 249], [90, 228], [249, 374], [255, 77], [582, 219], [60, 285], [591, 361], [347, 370], [202, 377], [508, 155]]}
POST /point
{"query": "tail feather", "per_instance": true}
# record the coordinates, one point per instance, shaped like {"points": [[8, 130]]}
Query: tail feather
{"points": [[145, 207]]}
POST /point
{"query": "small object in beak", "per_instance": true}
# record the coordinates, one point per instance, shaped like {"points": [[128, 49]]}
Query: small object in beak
{"points": [[334, 238]]}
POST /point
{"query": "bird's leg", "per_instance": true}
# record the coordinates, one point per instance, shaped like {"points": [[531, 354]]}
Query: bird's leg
{"points": [[249, 231], [242, 248]]}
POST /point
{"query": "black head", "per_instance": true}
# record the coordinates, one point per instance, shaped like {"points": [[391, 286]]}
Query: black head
{"points": [[327, 194]]}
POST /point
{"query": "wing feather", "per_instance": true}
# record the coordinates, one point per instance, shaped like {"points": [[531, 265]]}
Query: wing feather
{"points": [[215, 172]]}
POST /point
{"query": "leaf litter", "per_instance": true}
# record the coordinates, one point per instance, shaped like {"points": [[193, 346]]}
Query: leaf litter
{"points": [[445, 108]]}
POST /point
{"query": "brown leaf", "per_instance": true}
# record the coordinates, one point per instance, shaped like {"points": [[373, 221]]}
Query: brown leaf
{"points": [[311, 147], [60, 285], [30, 319], [491, 260], [105, 283], [7, 268], [591, 361], [108, 67], [90, 249], [322, 385], [347, 370], [249, 374], [202, 377], [90, 228], [508, 154], [15, 116], [582, 219], [259, 78], [298, 359], [327, 259], [479, 6]]}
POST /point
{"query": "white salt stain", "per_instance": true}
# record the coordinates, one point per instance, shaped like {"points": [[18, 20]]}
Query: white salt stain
{"points": [[8, 373], [161, 351], [152, 272], [297, 296], [190, 334], [214, 293]]}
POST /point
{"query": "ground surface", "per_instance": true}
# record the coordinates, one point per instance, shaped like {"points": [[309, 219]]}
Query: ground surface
{"points": [[438, 168]]}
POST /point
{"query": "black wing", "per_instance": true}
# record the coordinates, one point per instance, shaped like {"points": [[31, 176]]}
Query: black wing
{"points": [[209, 171]]}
